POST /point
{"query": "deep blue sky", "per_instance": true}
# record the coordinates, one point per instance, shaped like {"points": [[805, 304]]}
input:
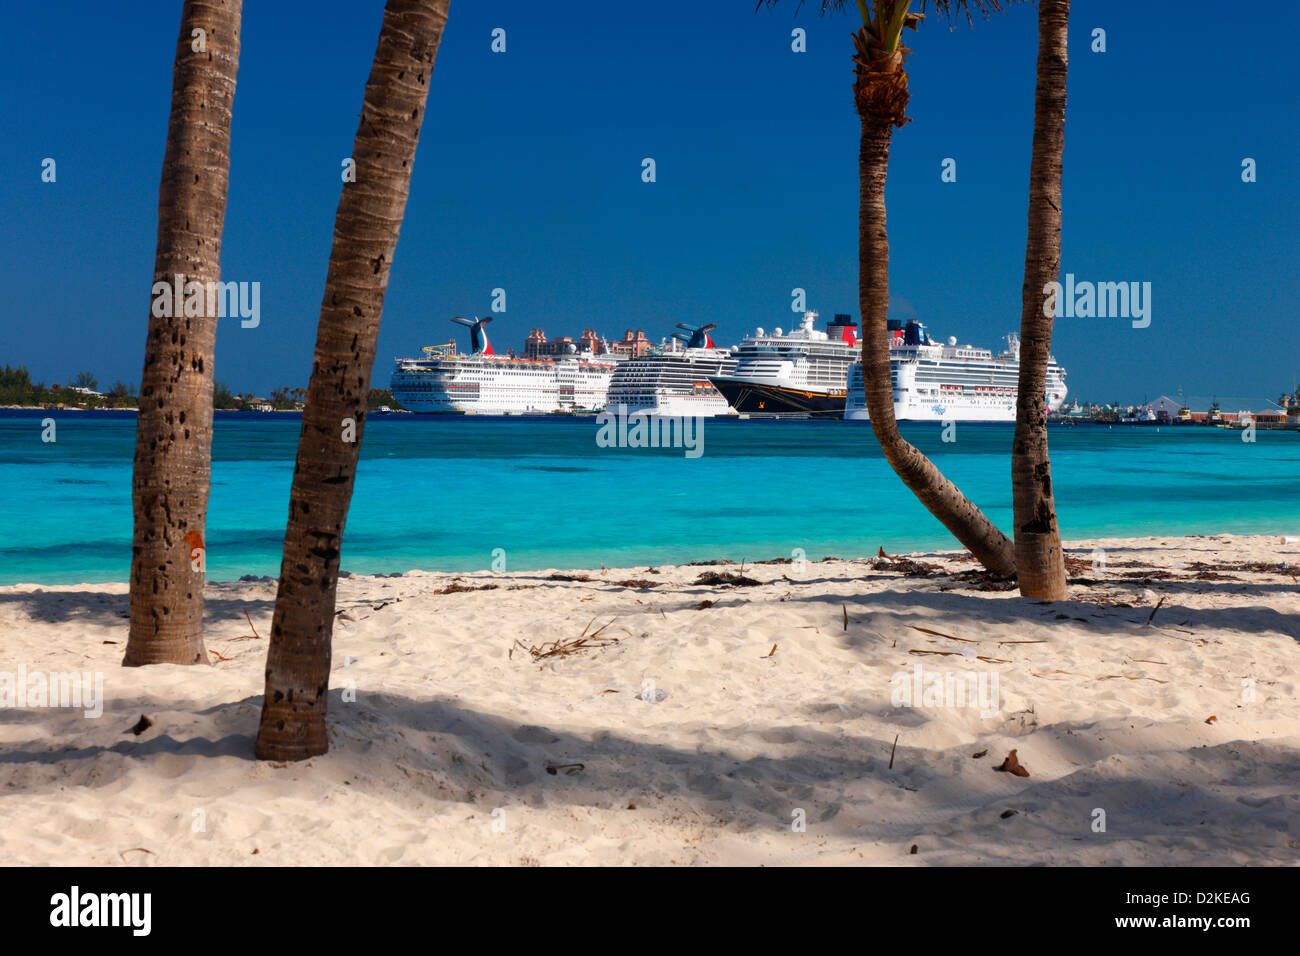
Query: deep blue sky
{"points": [[528, 178]]}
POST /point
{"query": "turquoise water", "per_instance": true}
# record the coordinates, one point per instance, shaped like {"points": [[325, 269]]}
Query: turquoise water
{"points": [[442, 494]]}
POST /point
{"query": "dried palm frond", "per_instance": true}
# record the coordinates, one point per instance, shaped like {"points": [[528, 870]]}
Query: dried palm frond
{"points": [[563, 647], [950, 9]]}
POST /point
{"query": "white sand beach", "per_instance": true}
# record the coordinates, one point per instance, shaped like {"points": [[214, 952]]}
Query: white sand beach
{"points": [[702, 734]]}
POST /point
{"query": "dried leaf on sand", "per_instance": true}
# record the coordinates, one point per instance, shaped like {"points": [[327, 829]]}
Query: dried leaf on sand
{"points": [[1012, 765]]}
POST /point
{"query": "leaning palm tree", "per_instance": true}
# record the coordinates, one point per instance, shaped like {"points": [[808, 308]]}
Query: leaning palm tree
{"points": [[1039, 558], [173, 443], [880, 93], [366, 228]]}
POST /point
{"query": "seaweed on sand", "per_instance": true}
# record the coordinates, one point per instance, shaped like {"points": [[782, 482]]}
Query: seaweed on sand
{"points": [[455, 588], [726, 578]]}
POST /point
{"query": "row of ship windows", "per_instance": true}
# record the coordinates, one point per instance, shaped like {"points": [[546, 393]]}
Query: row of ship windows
{"points": [[767, 368], [966, 379], [473, 386], [832, 352], [947, 381], [651, 380], [979, 366], [465, 373], [462, 383]]}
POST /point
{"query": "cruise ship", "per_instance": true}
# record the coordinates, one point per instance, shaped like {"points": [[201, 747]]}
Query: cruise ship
{"points": [[798, 373], [934, 382], [484, 383], [674, 379]]}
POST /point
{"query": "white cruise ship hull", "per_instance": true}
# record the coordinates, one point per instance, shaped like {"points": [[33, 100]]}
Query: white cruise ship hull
{"points": [[913, 409], [952, 383], [679, 406], [675, 384], [799, 375], [472, 385], [954, 406]]}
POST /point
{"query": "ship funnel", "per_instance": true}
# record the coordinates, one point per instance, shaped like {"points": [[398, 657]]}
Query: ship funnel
{"points": [[700, 337], [843, 329], [914, 334], [478, 340]]}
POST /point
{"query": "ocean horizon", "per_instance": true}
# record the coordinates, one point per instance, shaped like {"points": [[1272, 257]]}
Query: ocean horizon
{"points": [[455, 494]]}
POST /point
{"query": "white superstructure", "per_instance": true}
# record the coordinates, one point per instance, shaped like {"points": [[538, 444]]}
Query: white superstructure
{"points": [[934, 382], [674, 379], [488, 384]]}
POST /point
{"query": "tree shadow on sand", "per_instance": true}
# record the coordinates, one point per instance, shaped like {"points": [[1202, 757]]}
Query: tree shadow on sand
{"points": [[1190, 805], [1099, 618], [103, 608]]}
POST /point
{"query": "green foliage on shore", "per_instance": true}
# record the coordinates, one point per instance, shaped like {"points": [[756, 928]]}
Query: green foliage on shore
{"points": [[223, 399], [17, 388], [382, 396], [289, 399]]}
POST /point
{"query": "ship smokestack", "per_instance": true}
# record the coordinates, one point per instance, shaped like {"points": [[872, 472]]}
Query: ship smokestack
{"points": [[478, 339], [843, 329]]}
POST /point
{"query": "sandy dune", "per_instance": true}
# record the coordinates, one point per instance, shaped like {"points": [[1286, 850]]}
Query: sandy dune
{"points": [[690, 739]]}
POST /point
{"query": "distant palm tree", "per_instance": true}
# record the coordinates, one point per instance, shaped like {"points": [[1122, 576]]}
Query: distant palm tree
{"points": [[880, 93], [1039, 557], [173, 444], [366, 228]]}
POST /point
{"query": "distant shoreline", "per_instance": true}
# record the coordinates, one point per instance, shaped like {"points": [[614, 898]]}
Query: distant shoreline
{"points": [[79, 408], [75, 408], [226, 413]]}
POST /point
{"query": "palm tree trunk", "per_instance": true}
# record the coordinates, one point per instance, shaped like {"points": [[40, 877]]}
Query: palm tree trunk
{"points": [[943, 499], [173, 447], [366, 228], [1039, 557]]}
